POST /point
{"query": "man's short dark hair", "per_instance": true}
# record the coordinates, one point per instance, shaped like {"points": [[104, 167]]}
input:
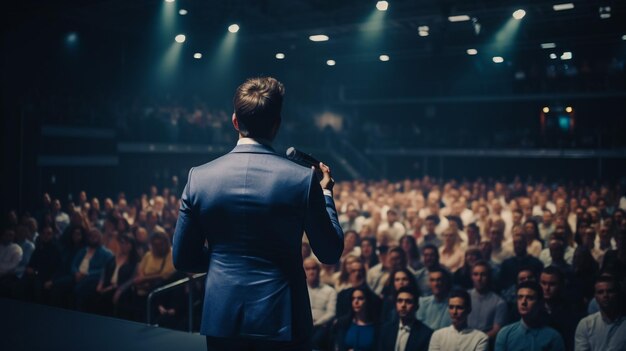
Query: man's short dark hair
{"points": [[430, 247], [457, 220], [408, 290], [462, 294], [433, 218], [532, 285], [608, 279], [258, 103], [445, 275], [552, 270]]}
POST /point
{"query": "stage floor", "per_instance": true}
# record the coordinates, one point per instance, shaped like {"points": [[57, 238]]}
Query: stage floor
{"points": [[30, 327]]}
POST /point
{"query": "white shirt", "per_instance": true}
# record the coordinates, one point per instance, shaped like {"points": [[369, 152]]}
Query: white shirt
{"points": [[10, 257], [323, 303], [545, 257], [450, 339], [376, 278], [403, 337], [594, 333]]}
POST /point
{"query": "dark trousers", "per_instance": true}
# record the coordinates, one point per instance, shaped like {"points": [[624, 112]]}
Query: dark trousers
{"points": [[227, 344]]}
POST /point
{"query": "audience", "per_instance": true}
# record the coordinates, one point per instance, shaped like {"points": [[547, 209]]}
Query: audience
{"points": [[405, 332], [485, 234]]}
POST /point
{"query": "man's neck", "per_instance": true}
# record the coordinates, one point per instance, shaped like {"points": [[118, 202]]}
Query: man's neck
{"points": [[461, 327], [407, 320], [314, 284], [611, 314], [483, 291]]}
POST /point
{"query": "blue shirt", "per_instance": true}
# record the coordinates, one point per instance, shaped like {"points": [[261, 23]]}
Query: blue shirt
{"points": [[518, 336], [360, 337], [433, 313]]}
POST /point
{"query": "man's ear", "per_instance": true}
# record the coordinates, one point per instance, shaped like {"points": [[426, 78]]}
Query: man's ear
{"points": [[235, 122]]}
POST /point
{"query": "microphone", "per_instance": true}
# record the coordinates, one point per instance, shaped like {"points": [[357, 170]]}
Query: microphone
{"points": [[302, 158]]}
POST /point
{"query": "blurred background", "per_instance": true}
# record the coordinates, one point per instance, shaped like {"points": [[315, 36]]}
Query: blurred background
{"points": [[118, 95]]}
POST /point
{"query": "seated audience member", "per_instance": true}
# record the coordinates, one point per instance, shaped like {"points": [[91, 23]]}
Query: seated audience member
{"points": [[458, 336], [351, 244], [393, 226], [10, 257], [142, 239], [547, 226], [488, 309], [563, 252], [351, 220], [62, 282], [530, 333], [511, 266], [341, 279], [430, 237], [499, 250], [356, 279], [358, 328], [588, 240], [154, 269], [604, 330], [533, 240], [377, 276], [431, 261], [21, 238], [451, 254], [585, 271], [397, 279], [368, 252], [557, 258], [406, 332], [413, 260], [433, 309], [615, 260], [117, 275], [44, 262], [323, 303], [87, 267], [473, 234], [509, 295], [462, 278], [562, 313]]}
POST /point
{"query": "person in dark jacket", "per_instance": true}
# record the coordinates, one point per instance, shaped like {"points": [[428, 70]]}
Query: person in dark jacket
{"points": [[405, 333], [43, 264]]}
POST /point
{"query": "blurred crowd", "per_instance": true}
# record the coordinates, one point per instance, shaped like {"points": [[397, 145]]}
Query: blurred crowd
{"points": [[503, 253]]}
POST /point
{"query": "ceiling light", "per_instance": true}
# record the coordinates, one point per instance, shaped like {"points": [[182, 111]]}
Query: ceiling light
{"points": [[546, 109], [382, 5], [548, 45], [169, 0], [182, 12], [562, 7], [331, 62], [498, 59], [318, 37], [519, 14], [280, 56], [197, 55], [569, 109], [566, 56], [553, 56], [233, 28], [383, 58], [472, 52], [180, 38], [459, 18], [423, 33]]}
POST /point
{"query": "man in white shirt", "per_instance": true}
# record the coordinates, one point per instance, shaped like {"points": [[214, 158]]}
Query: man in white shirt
{"points": [[392, 226], [604, 330], [323, 302], [458, 337]]}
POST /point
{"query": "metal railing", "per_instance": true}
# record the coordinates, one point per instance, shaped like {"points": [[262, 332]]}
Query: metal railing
{"points": [[170, 286]]}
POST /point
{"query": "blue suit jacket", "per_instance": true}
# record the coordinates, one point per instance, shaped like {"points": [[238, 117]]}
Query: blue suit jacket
{"points": [[252, 207]]}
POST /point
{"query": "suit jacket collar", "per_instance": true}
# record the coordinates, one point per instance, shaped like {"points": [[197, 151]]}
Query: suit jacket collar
{"points": [[254, 149]]}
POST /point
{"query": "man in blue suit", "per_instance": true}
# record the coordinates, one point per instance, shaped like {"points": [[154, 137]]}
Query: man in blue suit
{"points": [[251, 207]]}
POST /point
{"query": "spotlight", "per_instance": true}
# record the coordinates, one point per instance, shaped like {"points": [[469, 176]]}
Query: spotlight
{"points": [[383, 58], [233, 28], [382, 5], [569, 109], [546, 109], [472, 52], [562, 7], [553, 56], [72, 38], [459, 18], [423, 33], [318, 37], [182, 12], [197, 55], [331, 62], [280, 56], [566, 56], [548, 45], [605, 12], [519, 14], [180, 38], [169, 0], [498, 59]]}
